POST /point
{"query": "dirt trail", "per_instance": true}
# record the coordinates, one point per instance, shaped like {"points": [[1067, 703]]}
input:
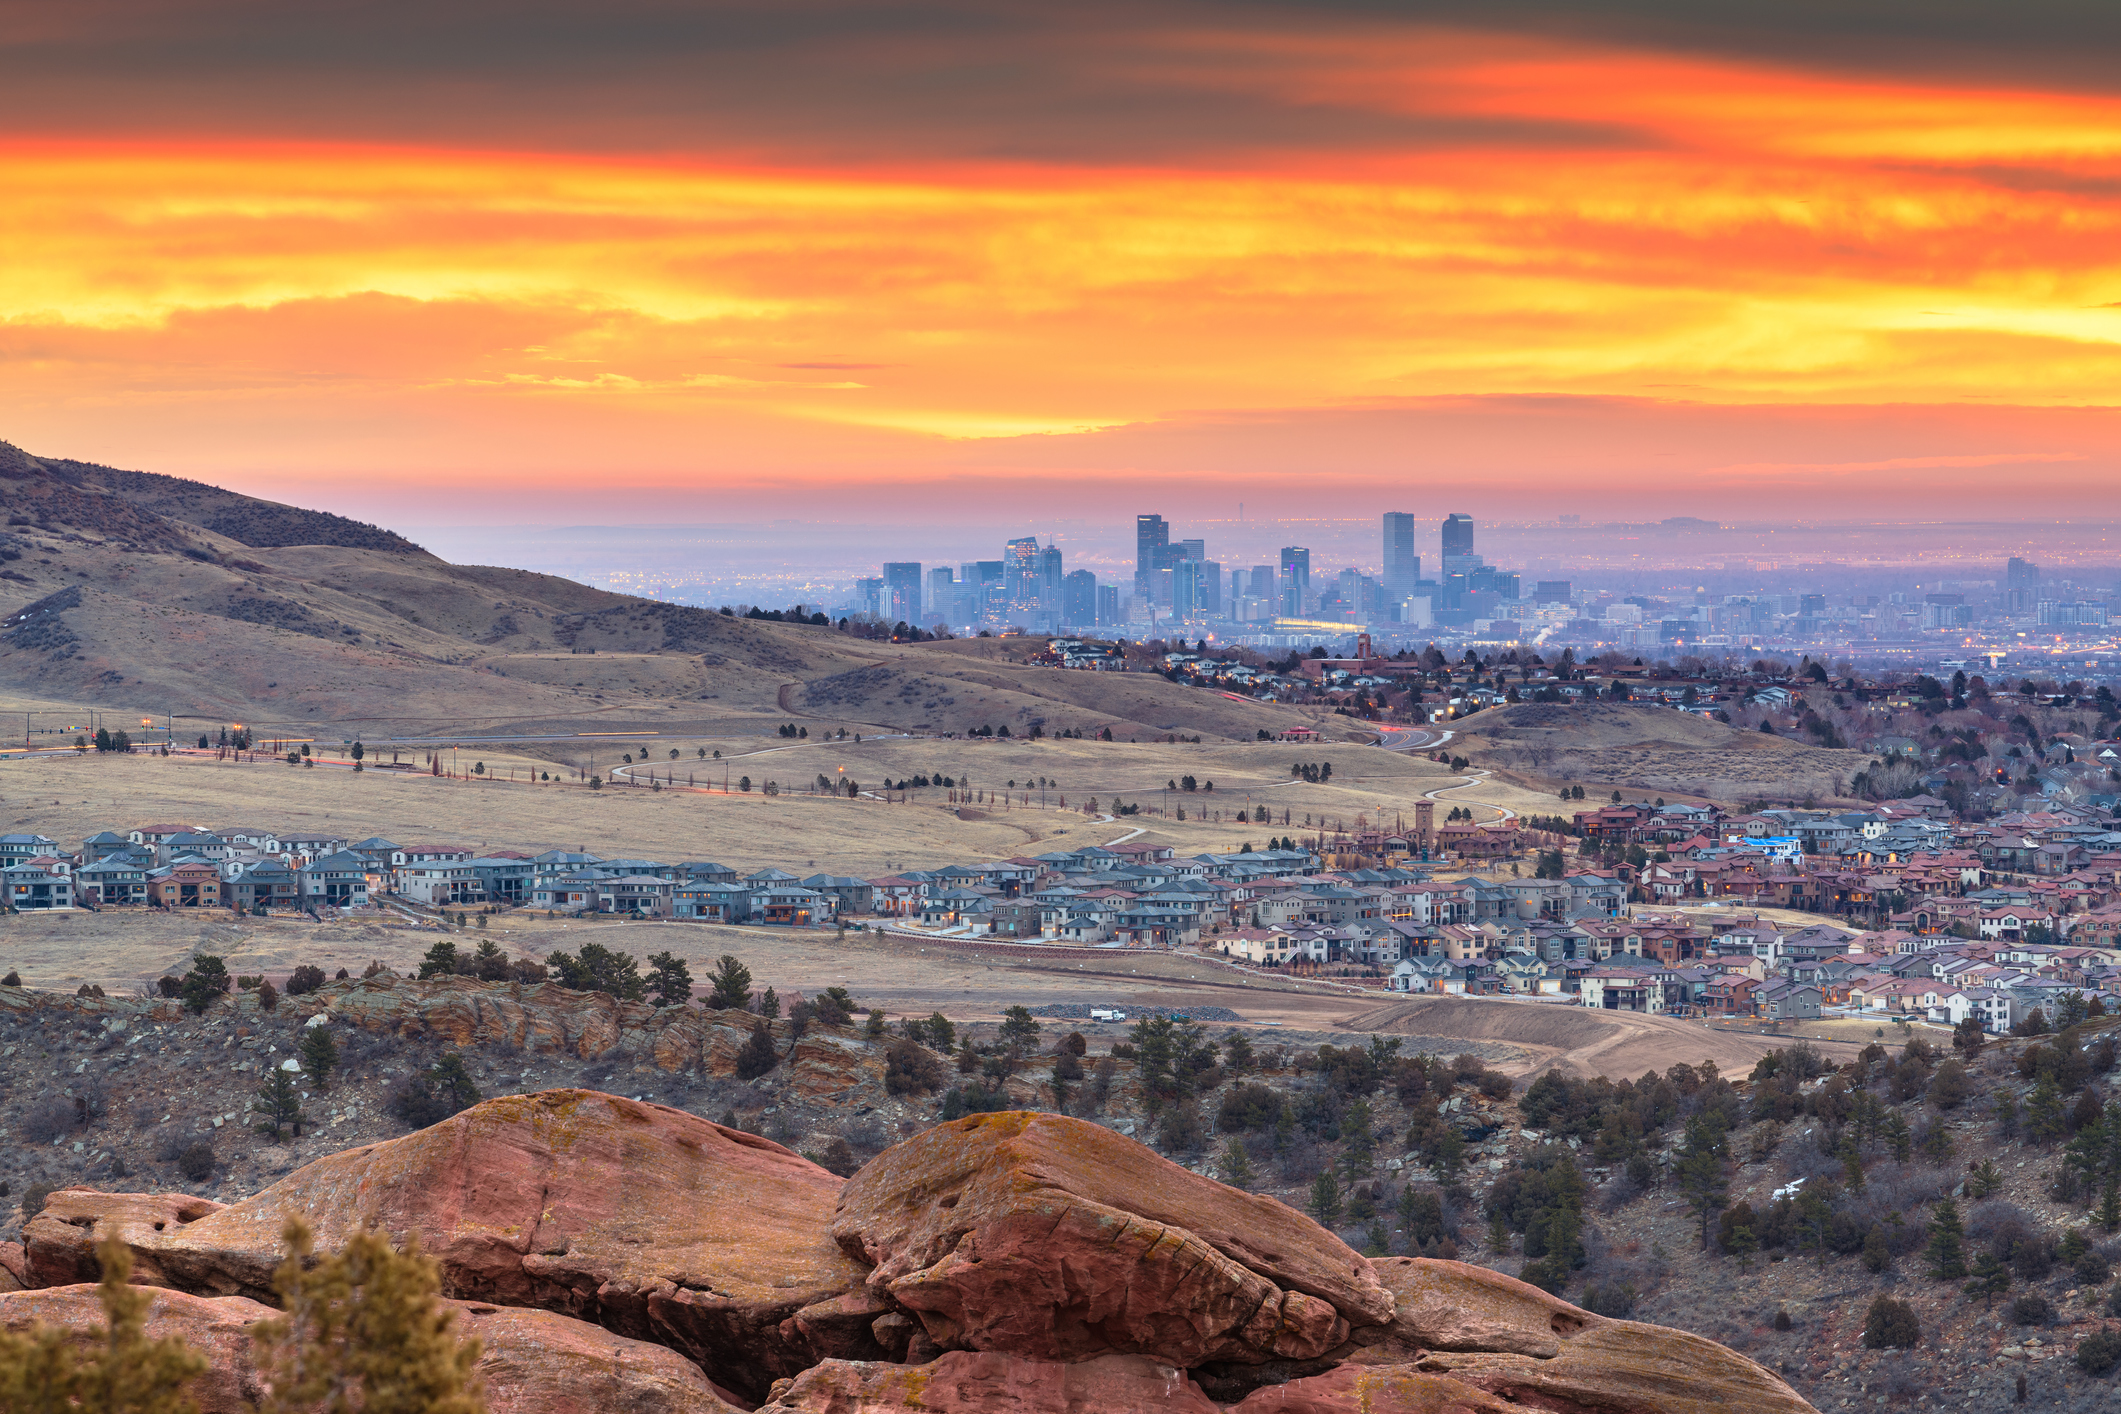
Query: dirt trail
{"points": [[1578, 1041]]}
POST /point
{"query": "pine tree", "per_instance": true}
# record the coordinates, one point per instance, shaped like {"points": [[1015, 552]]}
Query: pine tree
{"points": [[1700, 1173], [1325, 1200], [1900, 1137], [1237, 1165], [758, 1055], [1877, 1252], [731, 985], [2044, 1116], [319, 1055], [279, 1104], [1851, 1166], [441, 960], [1991, 1279], [670, 979], [2110, 1205], [44, 1371], [1947, 1249], [364, 1330]]}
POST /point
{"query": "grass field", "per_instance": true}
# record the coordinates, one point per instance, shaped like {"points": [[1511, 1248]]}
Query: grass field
{"points": [[71, 797]]}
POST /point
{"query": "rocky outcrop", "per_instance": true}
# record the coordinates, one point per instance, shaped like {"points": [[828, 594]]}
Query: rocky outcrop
{"points": [[644, 1219], [530, 1362], [14, 1267], [61, 1241], [1056, 1239], [964, 1382], [1373, 1389]]}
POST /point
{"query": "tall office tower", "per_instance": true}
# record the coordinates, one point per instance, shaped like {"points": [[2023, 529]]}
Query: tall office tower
{"points": [[1020, 569], [1262, 586], [1185, 589], [1402, 565], [869, 594], [1107, 603], [902, 592], [2020, 574], [1211, 588], [1458, 556], [942, 591], [1192, 549], [1152, 536], [1295, 580], [1049, 578], [1079, 599]]}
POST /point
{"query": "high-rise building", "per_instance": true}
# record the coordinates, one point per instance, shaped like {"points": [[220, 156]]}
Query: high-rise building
{"points": [[1211, 588], [1079, 599], [1402, 565], [1262, 585], [1049, 578], [1458, 556], [1152, 536], [1186, 589], [869, 595], [2020, 574], [1192, 549], [902, 592], [1295, 580], [942, 591], [1020, 561], [1107, 603]]}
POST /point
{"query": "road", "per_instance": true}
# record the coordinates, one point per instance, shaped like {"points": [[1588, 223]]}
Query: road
{"points": [[1412, 738]]}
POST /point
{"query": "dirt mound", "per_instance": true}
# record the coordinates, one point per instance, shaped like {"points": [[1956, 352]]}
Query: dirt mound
{"points": [[1576, 1040]]}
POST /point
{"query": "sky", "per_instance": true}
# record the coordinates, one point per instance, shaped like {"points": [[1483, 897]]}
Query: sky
{"points": [[887, 262]]}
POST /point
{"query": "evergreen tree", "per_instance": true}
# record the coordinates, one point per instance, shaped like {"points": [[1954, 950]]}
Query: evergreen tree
{"points": [[730, 984], [1237, 1165], [1900, 1137], [1700, 1173], [207, 981], [319, 1055], [2045, 1120], [441, 960], [670, 979], [1019, 1029], [279, 1104], [2110, 1205], [599, 969], [363, 1330], [1947, 1249], [1325, 1200], [758, 1055], [1358, 1149], [1877, 1251], [1991, 1279], [1851, 1166], [44, 1371], [942, 1036]]}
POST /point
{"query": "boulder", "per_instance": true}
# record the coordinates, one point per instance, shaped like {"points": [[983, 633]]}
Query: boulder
{"points": [[62, 1240], [1495, 1333], [1055, 1239], [531, 1362], [985, 1382], [14, 1267], [641, 1218]]}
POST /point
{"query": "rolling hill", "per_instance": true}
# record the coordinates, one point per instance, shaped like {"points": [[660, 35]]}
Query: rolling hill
{"points": [[134, 592]]}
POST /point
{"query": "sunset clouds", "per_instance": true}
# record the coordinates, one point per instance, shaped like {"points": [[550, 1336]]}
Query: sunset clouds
{"points": [[717, 260]]}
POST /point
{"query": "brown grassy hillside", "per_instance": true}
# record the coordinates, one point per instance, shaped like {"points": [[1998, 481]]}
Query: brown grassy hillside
{"points": [[1653, 749], [147, 594]]}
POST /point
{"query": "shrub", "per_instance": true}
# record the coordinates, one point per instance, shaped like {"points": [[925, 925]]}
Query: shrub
{"points": [[1181, 1131], [46, 1120], [973, 1100], [33, 1198], [305, 979], [2032, 1309], [2092, 1269], [1782, 1320], [1614, 1300], [911, 1068], [2096, 1354], [268, 995], [1891, 1325], [196, 1162], [836, 1158], [1494, 1084], [434, 1094]]}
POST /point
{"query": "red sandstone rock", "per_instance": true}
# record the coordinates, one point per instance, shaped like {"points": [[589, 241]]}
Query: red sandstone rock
{"points": [[644, 1219], [1056, 1239], [1374, 1389], [532, 1362], [1498, 1334], [62, 1239], [14, 1267], [964, 1382]]}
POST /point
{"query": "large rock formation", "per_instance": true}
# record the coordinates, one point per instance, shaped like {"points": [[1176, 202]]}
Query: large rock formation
{"points": [[644, 1219], [1057, 1239], [531, 1362], [1006, 1264]]}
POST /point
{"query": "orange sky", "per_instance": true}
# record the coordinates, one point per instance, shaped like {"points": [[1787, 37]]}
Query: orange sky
{"points": [[1488, 217]]}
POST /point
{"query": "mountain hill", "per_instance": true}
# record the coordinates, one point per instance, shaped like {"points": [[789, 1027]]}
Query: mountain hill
{"points": [[128, 591]]}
